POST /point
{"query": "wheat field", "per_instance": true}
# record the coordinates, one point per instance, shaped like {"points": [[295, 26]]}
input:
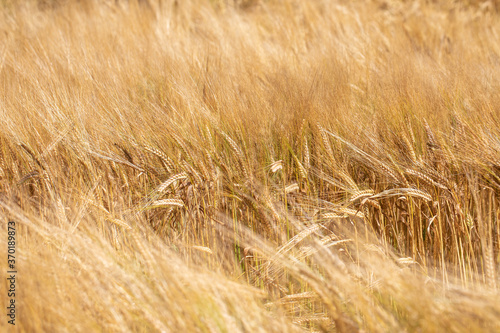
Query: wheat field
{"points": [[251, 166]]}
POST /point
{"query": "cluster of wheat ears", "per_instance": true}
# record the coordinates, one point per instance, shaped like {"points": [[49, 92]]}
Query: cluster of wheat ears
{"points": [[252, 166]]}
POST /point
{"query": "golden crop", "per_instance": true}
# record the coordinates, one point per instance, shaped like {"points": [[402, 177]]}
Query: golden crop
{"points": [[251, 166]]}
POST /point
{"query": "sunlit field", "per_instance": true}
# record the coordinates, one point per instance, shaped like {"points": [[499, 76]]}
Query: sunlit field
{"points": [[250, 166]]}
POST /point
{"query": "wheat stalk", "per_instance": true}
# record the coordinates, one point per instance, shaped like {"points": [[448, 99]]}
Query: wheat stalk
{"points": [[351, 212], [168, 162], [166, 202], [171, 180], [361, 194], [307, 158], [238, 151], [292, 188], [326, 143], [119, 223], [333, 216], [425, 178], [278, 165]]}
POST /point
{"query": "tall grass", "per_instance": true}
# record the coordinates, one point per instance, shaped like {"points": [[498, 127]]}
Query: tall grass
{"points": [[246, 166]]}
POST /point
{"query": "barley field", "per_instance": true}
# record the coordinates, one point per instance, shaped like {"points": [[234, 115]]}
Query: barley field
{"points": [[251, 166]]}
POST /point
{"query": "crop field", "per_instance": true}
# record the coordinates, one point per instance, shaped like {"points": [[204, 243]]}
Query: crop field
{"points": [[250, 166]]}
